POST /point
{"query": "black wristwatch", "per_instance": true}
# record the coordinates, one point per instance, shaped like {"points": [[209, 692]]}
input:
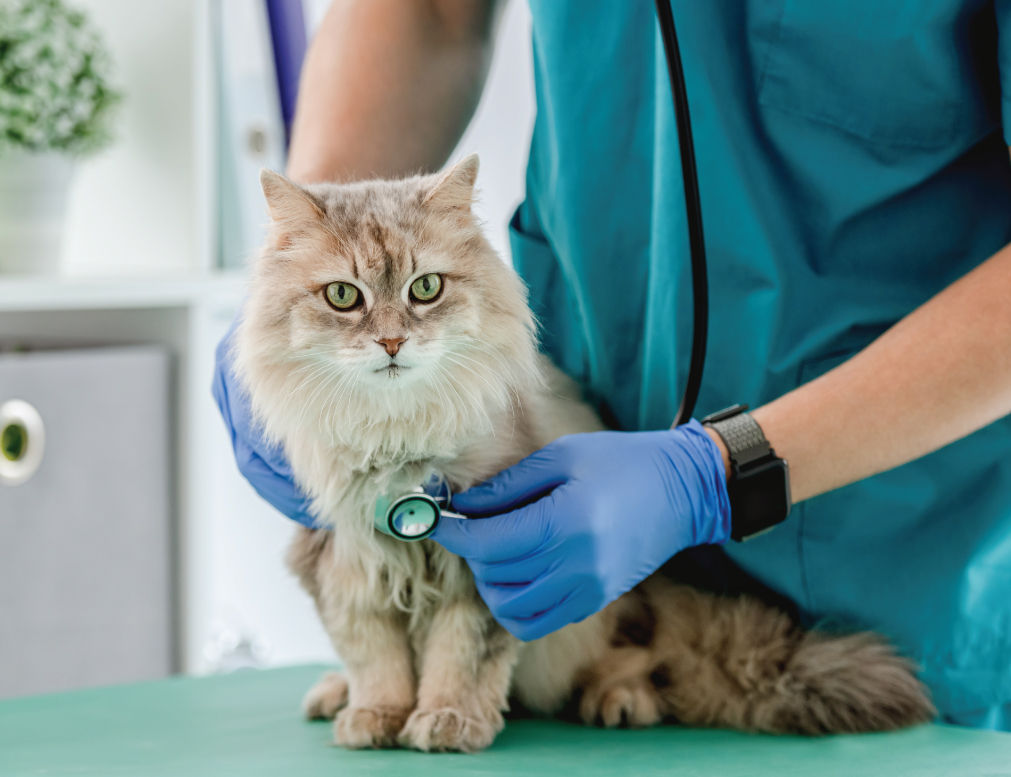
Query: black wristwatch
{"points": [[759, 485]]}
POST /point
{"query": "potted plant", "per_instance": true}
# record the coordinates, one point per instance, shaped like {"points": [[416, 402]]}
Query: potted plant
{"points": [[56, 105]]}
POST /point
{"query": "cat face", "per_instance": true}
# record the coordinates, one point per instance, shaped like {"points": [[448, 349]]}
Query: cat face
{"points": [[384, 296], [391, 302]]}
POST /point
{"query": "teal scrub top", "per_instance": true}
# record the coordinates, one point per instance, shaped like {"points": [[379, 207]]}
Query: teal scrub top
{"points": [[851, 164]]}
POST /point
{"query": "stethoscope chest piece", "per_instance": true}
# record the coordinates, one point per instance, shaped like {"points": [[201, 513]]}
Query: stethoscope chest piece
{"points": [[414, 515], [410, 517]]}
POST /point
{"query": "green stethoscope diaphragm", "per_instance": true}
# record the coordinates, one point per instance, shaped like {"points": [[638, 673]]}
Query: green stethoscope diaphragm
{"points": [[414, 515]]}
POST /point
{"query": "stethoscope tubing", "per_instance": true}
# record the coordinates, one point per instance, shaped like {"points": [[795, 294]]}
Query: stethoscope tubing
{"points": [[693, 211]]}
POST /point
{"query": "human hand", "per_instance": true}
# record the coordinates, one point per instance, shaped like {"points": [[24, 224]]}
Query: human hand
{"points": [[608, 509], [264, 466]]}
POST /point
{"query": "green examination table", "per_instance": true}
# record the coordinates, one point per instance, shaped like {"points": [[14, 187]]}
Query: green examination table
{"points": [[249, 724]]}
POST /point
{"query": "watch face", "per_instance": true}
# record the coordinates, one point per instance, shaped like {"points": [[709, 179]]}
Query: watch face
{"points": [[759, 497]]}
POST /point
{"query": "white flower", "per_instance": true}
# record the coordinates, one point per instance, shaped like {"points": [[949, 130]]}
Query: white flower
{"points": [[54, 79]]}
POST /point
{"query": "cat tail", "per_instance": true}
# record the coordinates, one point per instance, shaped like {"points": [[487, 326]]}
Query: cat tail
{"points": [[843, 684], [749, 666]]}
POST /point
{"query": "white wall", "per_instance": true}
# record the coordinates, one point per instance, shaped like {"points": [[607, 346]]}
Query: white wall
{"points": [[131, 208]]}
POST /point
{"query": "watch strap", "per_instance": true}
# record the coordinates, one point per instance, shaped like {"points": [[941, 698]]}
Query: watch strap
{"points": [[744, 439], [759, 483]]}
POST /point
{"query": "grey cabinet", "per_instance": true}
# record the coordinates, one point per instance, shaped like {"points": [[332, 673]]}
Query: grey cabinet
{"points": [[86, 542]]}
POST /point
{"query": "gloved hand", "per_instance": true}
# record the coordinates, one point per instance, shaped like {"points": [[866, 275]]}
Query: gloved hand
{"points": [[592, 515], [263, 465]]}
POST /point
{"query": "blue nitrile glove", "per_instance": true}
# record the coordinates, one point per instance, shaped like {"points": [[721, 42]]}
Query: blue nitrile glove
{"points": [[611, 508], [263, 465]]}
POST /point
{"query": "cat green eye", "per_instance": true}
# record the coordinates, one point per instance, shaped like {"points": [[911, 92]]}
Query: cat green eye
{"points": [[427, 287], [342, 296]]}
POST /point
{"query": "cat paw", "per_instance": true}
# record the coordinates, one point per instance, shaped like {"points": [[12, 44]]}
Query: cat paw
{"points": [[448, 729], [326, 697], [626, 705], [360, 727]]}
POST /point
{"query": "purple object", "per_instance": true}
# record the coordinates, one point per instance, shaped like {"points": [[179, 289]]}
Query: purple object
{"points": [[287, 35]]}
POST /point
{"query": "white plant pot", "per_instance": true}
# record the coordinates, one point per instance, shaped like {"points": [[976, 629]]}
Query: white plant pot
{"points": [[33, 205]]}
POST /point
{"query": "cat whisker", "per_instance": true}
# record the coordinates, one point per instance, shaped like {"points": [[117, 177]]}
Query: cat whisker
{"points": [[500, 395], [314, 370], [324, 381], [345, 385], [505, 367], [474, 404], [472, 345], [501, 390]]}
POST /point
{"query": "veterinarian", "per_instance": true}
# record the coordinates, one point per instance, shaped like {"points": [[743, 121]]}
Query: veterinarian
{"points": [[856, 192]]}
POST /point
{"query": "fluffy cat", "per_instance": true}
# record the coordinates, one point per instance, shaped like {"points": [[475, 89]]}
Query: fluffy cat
{"points": [[384, 340]]}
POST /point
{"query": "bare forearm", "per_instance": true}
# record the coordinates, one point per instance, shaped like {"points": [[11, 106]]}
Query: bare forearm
{"points": [[389, 86], [939, 374]]}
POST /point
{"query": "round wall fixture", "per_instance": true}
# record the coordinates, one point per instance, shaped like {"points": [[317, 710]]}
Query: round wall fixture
{"points": [[22, 442]]}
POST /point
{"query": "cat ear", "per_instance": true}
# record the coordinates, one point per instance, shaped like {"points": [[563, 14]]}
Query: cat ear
{"points": [[291, 207], [455, 189]]}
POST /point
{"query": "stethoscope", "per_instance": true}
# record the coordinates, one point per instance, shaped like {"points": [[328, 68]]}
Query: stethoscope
{"points": [[414, 515]]}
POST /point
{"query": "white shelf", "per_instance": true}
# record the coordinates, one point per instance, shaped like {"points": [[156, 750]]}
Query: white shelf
{"points": [[161, 291]]}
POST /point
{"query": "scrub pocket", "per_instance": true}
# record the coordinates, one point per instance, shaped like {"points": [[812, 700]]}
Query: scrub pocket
{"points": [[561, 337], [919, 74]]}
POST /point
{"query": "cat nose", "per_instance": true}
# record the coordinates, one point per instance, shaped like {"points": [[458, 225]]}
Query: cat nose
{"points": [[392, 344]]}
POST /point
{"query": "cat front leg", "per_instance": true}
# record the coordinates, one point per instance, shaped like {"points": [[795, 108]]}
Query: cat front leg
{"points": [[376, 653], [376, 693], [466, 667]]}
